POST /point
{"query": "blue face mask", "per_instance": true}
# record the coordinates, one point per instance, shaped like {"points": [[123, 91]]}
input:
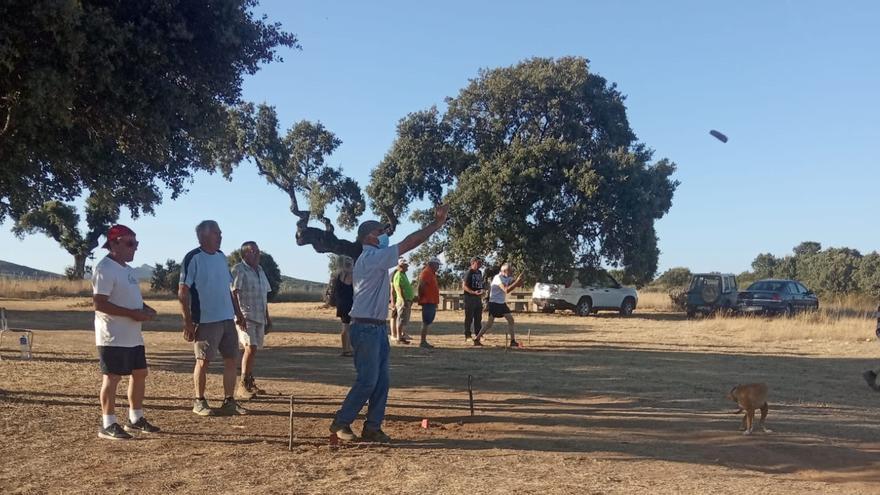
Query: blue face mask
{"points": [[383, 241]]}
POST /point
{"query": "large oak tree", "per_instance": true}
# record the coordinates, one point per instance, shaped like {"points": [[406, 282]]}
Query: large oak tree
{"points": [[125, 97], [539, 166]]}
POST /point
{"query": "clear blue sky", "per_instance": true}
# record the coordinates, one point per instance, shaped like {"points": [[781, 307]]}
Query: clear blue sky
{"points": [[794, 84]]}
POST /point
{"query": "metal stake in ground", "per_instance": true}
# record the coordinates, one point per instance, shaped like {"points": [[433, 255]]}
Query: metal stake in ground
{"points": [[530, 337], [290, 431], [471, 393]]}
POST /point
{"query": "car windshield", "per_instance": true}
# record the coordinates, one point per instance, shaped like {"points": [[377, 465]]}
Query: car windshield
{"points": [[701, 281], [768, 286]]}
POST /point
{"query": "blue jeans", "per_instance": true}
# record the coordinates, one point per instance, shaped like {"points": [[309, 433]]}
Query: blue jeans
{"points": [[371, 350]]}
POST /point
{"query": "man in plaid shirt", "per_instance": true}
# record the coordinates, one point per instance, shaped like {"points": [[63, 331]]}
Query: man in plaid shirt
{"points": [[871, 375], [250, 287]]}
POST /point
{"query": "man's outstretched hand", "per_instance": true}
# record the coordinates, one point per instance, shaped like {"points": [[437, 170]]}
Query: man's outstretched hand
{"points": [[440, 214]]}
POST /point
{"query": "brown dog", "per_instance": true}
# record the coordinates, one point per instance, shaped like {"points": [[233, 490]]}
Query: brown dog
{"points": [[749, 397]]}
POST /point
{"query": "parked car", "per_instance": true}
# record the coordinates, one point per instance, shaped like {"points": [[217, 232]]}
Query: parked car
{"points": [[710, 293], [780, 297], [599, 292]]}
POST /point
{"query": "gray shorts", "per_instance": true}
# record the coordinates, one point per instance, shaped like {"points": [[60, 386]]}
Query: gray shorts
{"points": [[254, 336], [404, 310], [216, 336]]}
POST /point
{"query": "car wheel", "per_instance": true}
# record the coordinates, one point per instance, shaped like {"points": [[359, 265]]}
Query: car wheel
{"points": [[584, 307], [626, 309]]}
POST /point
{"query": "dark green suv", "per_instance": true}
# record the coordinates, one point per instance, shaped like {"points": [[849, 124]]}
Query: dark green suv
{"points": [[710, 293]]}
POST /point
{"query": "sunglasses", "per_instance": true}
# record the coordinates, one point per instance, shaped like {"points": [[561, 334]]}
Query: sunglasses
{"points": [[130, 244]]}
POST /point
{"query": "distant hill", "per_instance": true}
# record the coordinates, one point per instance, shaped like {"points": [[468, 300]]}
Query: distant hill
{"points": [[291, 284], [11, 270]]}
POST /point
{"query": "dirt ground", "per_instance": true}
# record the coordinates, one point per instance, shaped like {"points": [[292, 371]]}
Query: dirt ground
{"points": [[590, 405]]}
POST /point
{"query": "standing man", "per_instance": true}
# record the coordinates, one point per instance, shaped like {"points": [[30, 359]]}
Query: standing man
{"points": [[369, 333], [871, 375], [208, 308], [429, 298], [472, 285], [119, 311], [404, 296], [250, 288], [502, 284]]}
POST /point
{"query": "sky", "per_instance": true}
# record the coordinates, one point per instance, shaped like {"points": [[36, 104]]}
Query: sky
{"points": [[793, 84]]}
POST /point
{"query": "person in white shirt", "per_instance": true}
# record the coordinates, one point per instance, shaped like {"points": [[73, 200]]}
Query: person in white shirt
{"points": [[250, 287], [502, 284], [119, 311]]}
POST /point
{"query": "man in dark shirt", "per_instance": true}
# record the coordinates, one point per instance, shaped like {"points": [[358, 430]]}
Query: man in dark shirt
{"points": [[472, 285], [871, 375]]}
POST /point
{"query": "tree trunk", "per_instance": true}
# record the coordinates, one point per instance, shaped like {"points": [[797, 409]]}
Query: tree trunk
{"points": [[322, 241], [78, 270]]}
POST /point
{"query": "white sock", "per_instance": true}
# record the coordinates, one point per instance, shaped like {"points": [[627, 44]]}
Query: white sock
{"points": [[135, 414], [108, 419]]}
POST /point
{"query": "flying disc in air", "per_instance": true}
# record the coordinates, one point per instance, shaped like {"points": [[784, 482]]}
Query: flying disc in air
{"points": [[718, 135]]}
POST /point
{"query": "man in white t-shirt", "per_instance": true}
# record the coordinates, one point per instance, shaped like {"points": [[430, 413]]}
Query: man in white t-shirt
{"points": [[502, 284], [119, 311], [251, 288]]}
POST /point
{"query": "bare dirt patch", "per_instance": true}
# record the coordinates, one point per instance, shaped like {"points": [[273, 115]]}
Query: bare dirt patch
{"points": [[590, 405]]}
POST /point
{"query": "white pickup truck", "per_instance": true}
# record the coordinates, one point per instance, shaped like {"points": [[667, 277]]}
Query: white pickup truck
{"points": [[600, 293]]}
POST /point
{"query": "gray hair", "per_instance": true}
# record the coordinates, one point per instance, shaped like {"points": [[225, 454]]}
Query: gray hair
{"points": [[204, 226], [505, 267], [249, 244]]}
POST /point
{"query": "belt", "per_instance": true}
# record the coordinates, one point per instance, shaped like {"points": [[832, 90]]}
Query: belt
{"points": [[369, 321]]}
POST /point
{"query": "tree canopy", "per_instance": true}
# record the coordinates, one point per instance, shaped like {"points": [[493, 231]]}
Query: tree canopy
{"points": [[121, 96], [60, 221], [540, 168]]}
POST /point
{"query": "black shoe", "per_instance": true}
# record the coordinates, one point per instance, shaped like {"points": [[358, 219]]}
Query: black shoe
{"points": [[343, 432], [514, 343], [141, 425], [377, 436], [478, 343], [113, 432]]}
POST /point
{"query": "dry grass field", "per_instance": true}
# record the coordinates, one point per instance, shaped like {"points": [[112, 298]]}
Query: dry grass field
{"points": [[591, 405]]}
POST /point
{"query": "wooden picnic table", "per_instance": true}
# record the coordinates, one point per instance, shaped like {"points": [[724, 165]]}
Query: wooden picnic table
{"points": [[518, 301]]}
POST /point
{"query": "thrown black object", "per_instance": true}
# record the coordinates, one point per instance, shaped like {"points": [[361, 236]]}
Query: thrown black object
{"points": [[718, 135]]}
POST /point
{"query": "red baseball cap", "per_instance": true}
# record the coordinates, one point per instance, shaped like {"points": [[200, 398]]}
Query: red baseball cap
{"points": [[116, 232]]}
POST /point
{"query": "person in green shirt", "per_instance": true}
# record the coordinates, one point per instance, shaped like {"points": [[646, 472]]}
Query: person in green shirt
{"points": [[404, 295]]}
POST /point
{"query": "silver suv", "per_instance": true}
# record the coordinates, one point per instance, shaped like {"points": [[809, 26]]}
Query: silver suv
{"points": [[600, 292]]}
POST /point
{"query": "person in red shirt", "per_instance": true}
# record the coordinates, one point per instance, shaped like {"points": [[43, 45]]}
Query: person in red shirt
{"points": [[429, 298]]}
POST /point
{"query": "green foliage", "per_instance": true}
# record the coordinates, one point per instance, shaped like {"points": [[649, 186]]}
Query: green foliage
{"points": [[60, 222], [270, 267], [674, 277], [831, 271], [295, 163], [540, 168], [125, 97], [868, 275], [765, 265], [165, 278]]}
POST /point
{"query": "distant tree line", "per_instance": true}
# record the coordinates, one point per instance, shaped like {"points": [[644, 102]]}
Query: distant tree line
{"points": [[830, 271]]}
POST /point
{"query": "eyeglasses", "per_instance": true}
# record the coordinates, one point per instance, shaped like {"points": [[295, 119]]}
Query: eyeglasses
{"points": [[130, 244]]}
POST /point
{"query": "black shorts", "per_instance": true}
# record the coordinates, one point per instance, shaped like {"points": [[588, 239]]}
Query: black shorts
{"points": [[498, 310], [121, 360]]}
